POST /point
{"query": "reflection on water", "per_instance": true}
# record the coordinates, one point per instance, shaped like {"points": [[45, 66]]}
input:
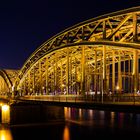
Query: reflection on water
{"points": [[99, 118], [112, 118], [79, 124], [66, 134], [5, 133]]}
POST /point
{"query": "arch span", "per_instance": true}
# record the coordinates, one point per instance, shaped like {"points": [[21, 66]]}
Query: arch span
{"points": [[7, 78], [100, 55]]}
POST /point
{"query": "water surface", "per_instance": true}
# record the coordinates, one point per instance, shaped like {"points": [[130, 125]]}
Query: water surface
{"points": [[78, 124]]}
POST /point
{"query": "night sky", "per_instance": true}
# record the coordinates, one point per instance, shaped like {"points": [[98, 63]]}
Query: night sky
{"points": [[26, 24]]}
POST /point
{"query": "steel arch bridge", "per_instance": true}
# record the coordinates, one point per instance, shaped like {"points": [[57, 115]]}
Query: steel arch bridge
{"points": [[7, 78], [97, 56]]}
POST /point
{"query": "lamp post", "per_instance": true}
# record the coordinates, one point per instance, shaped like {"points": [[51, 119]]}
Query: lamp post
{"points": [[31, 91], [43, 90], [117, 88]]}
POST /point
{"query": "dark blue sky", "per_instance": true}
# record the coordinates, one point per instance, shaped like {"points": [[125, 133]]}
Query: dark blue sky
{"points": [[26, 24]]}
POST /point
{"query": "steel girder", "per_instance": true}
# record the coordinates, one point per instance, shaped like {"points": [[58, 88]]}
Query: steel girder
{"points": [[118, 31]]}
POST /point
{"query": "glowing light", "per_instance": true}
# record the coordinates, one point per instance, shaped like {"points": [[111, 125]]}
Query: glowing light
{"points": [[66, 134], [5, 134], [30, 89], [5, 107], [112, 119], [91, 114], [117, 87], [63, 85], [5, 114], [80, 113], [13, 88]]}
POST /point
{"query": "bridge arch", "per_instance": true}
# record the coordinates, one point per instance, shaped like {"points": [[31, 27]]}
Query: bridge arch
{"points": [[5, 82], [100, 55]]}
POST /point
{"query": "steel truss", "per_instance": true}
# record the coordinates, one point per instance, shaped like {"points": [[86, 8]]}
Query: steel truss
{"points": [[100, 55], [7, 78]]}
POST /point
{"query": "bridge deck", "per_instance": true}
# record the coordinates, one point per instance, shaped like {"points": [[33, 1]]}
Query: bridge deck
{"points": [[113, 103]]}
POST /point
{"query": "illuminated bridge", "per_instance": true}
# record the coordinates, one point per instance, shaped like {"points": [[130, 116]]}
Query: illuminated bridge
{"points": [[100, 56]]}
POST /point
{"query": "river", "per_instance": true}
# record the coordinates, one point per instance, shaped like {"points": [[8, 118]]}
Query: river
{"points": [[78, 124]]}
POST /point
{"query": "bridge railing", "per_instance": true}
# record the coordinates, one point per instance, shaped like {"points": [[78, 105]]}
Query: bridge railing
{"points": [[128, 98]]}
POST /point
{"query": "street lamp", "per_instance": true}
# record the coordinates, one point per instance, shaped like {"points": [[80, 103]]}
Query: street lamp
{"points": [[43, 90], [117, 87]]}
